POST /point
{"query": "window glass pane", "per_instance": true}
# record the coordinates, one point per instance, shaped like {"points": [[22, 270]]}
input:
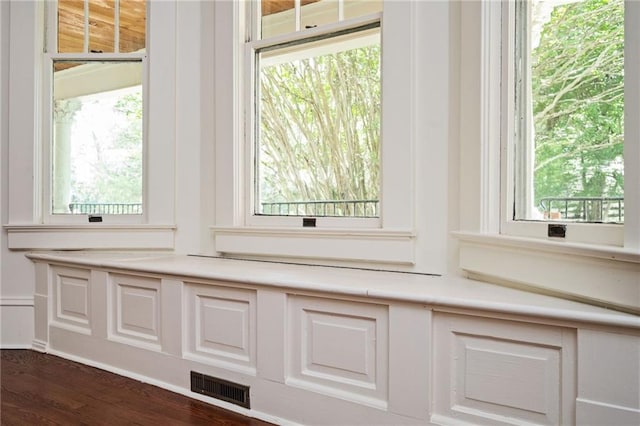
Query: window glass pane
{"points": [[71, 16], [319, 13], [280, 16], [97, 143], [101, 26], [356, 8], [97, 19], [570, 110], [277, 17], [132, 25], [318, 143]]}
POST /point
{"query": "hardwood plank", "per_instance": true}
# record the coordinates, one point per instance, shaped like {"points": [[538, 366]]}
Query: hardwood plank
{"points": [[47, 390]]}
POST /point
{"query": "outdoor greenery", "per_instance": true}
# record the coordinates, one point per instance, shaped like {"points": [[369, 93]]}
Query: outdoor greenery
{"points": [[578, 103], [319, 119], [114, 159], [320, 128]]}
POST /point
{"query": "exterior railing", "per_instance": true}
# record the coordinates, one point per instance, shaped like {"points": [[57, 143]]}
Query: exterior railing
{"points": [[105, 208], [584, 209], [320, 208]]}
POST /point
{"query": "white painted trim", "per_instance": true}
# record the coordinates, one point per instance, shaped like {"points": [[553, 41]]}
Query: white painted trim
{"points": [[68, 237], [356, 245], [612, 253], [591, 274], [25, 346], [381, 404], [490, 82], [247, 370], [40, 346], [16, 301], [632, 125], [602, 410]]}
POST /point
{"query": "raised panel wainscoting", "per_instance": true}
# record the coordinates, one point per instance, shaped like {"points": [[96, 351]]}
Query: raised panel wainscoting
{"points": [[320, 345]]}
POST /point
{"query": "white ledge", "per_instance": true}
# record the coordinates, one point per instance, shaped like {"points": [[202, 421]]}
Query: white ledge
{"points": [[553, 245], [367, 245], [435, 292], [601, 275], [90, 236]]}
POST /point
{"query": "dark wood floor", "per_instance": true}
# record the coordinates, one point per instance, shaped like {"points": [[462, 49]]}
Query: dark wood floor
{"points": [[40, 389]]}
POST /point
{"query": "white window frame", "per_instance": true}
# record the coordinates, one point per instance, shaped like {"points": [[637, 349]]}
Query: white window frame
{"points": [[392, 243], [597, 267], [251, 112], [29, 225], [593, 233], [51, 55]]}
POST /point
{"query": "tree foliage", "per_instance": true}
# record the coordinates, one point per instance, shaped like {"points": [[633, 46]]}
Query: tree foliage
{"points": [[320, 127], [115, 159], [578, 103]]}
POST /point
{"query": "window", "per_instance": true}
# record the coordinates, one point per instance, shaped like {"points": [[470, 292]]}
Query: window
{"points": [[586, 254], [317, 107], [329, 173], [570, 110], [70, 54], [566, 108], [95, 68]]}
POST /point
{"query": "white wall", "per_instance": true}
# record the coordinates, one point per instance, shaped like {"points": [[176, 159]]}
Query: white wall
{"points": [[16, 272]]}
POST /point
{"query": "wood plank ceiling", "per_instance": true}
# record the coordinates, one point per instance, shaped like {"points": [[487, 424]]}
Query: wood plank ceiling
{"points": [[71, 17]]}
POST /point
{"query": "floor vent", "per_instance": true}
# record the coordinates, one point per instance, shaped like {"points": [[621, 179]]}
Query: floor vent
{"points": [[220, 389]]}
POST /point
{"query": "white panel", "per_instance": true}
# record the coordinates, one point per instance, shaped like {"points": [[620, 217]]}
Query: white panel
{"points": [[135, 311], [71, 299], [507, 374], [339, 349], [223, 323], [609, 368], [340, 346], [500, 372], [221, 326], [138, 310]]}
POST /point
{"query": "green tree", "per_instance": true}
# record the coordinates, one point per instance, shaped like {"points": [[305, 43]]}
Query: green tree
{"points": [[578, 86], [117, 169], [320, 128]]}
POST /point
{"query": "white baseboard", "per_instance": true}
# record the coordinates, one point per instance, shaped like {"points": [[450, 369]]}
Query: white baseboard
{"points": [[15, 346], [17, 301], [39, 346]]}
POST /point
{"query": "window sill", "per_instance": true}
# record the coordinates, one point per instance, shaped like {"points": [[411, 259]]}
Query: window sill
{"points": [[94, 236], [375, 245], [600, 275]]}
